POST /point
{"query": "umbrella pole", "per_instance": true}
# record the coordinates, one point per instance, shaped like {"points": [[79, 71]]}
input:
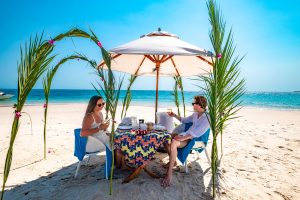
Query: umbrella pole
{"points": [[156, 99]]}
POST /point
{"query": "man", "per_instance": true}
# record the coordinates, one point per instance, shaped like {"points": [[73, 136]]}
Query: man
{"points": [[199, 127]]}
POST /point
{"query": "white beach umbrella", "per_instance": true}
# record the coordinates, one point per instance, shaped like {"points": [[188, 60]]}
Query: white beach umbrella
{"points": [[160, 54]]}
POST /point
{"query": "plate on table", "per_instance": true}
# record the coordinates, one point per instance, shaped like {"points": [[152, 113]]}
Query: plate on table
{"points": [[124, 127], [158, 127]]}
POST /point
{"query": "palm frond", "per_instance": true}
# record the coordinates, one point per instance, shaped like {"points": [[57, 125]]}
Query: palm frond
{"points": [[111, 88], [34, 60], [223, 88], [175, 94], [47, 81], [127, 98]]}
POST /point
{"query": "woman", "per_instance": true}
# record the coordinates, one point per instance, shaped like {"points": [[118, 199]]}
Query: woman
{"points": [[93, 125], [199, 127]]}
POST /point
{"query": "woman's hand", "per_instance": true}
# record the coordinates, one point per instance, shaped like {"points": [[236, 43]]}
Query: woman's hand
{"points": [[104, 126]]}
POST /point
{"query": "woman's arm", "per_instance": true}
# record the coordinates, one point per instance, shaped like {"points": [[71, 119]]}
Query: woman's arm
{"points": [[86, 129]]}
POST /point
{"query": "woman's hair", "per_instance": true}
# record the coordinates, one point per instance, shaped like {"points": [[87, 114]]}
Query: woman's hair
{"points": [[92, 104], [201, 100]]}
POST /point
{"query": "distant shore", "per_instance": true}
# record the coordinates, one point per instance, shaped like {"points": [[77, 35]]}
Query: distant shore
{"points": [[281, 100], [162, 107]]}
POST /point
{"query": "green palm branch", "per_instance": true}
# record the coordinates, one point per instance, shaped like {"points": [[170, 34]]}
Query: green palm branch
{"points": [[178, 81], [47, 81], [180, 85], [111, 88], [128, 97], [34, 61], [35, 58], [175, 94], [182, 95], [223, 87]]}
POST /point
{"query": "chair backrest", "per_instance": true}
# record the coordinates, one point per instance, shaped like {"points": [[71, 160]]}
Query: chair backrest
{"points": [[165, 120], [204, 138], [80, 144], [185, 151]]}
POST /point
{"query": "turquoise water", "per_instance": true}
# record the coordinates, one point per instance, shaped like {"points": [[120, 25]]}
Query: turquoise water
{"points": [[281, 100]]}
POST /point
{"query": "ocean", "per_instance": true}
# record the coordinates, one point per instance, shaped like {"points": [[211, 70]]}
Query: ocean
{"points": [[280, 100]]}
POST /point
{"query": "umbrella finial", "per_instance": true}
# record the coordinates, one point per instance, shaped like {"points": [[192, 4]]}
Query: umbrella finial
{"points": [[159, 29]]}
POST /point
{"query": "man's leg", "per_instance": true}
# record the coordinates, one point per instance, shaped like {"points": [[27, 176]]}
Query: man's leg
{"points": [[167, 180], [168, 146], [168, 150]]}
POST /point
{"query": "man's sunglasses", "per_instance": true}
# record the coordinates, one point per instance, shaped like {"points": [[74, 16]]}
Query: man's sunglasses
{"points": [[197, 104], [101, 104]]}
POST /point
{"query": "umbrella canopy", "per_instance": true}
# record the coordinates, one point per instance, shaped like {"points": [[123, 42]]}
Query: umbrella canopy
{"points": [[174, 56], [160, 54]]}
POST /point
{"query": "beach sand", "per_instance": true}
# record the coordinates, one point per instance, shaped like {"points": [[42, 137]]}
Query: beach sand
{"points": [[261, 159]]}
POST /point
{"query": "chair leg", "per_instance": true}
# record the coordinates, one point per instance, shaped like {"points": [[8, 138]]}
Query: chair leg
{"points": [[207, 156], [108, 163], [198, 155], [88, 160], [151, 173], [186, 167], [77, 169]]}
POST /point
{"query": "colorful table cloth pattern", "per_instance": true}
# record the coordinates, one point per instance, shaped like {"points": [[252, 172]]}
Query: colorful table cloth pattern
{"points": [[139, 149]]}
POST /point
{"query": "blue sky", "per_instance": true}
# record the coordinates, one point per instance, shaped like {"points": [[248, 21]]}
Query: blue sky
{"points": [[267, 32]]}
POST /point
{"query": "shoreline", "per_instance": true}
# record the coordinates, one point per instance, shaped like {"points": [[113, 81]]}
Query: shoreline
{"points": [[152, 106]]}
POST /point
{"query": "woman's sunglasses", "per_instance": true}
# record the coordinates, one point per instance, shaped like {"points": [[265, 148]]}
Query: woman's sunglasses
{"points": [[101, 104]]}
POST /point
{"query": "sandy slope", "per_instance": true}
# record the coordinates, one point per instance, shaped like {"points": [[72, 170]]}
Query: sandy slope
{"points": [[260, 160]]}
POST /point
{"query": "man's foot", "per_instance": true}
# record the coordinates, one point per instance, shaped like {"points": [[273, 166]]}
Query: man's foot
{"points": [[168, 164], [166, 181]]}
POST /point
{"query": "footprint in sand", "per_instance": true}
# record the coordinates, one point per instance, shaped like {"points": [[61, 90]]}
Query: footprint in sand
{"points": [[282, 195], [273, 133]]}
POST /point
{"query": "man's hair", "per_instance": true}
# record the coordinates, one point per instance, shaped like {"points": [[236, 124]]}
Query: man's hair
{"points": [[201, 100]]}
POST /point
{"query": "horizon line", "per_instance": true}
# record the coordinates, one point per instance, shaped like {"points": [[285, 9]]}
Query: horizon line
{"points": [[296, 91]]}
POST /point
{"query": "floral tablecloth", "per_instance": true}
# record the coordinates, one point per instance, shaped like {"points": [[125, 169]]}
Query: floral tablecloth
{"points": [[140, 148]]}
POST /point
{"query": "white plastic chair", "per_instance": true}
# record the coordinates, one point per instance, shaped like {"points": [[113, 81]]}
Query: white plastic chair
{"points": [[80, 152]]}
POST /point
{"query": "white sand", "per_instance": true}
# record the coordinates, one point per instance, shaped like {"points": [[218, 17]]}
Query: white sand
{"points": [[260, 160]]}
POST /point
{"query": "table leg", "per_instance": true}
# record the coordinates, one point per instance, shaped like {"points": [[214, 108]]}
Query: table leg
{"points": [[133, 174], [151, 173], [130, 168]]}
